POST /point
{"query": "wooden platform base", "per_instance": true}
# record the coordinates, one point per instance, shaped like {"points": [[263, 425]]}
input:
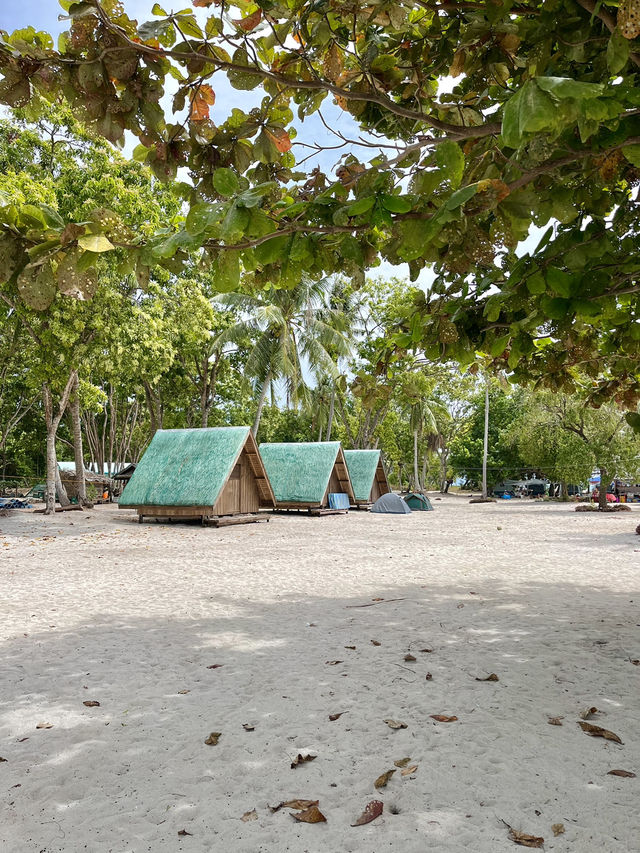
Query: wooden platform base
{"points": [[365, 506], [161, 513], [310, 510]]}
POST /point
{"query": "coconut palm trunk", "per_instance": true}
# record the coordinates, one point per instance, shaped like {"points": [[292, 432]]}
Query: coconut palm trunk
{"points": [[261, 399], [416, 475], [332, 405], [485, 448]]}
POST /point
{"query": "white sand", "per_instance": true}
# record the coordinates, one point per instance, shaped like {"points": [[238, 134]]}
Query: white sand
{"points": [[130, 616]]}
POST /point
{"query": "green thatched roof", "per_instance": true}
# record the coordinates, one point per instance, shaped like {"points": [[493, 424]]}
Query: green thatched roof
{"points": [[300, 473], [362, 465], [185, 467]]}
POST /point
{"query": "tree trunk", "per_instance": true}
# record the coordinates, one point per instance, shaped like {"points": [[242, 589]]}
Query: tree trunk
{"points": [[604, 488], [53, 422], [443, 472], [261, 399], [332, 406], [416, 478], [485, 449], [78, 450]]}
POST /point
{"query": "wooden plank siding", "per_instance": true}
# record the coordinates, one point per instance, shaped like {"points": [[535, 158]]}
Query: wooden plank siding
{"points": [[240, 493]]}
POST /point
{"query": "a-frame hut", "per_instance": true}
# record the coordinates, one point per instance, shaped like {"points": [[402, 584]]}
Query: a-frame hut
{"points": [[307, 475], [213, 474], [368, 476]]}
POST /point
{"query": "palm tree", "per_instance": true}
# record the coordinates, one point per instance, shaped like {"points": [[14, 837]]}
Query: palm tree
{"points": [[290, 328]]}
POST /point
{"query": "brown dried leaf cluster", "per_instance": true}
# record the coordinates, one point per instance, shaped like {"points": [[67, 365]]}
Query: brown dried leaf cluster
{"points": [[598, 731]]}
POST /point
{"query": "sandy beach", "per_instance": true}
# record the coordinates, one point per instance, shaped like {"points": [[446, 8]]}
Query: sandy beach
{"points": [[263, 632]]}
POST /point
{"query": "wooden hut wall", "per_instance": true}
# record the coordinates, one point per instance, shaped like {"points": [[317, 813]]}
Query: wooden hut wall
{"points": [[240, 493]]}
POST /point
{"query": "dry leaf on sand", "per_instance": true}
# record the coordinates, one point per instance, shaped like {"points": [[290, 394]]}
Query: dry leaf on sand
{"points": [[247, 816], [350, 647], [409, 658], [310, 815], [248, 727], [626, 774], [333, 662], [91, 703], [409, 771], [375, 643], [597, 731], [525, 840], [301, 759], [588, 712], [426, 651], [184, 832], [180, 693], [215, 666], [442, 718], [334, 717], [492, 677], [381, 781], [555, 721], [394, 724], [402, 762], [2, 759], [371, 812], [44, 726], [294, 804], [428, 677], [213, 739], [557, 829]]}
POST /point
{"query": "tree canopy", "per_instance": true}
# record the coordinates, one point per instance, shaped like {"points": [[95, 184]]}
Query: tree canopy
{"points": [[541, 129]]}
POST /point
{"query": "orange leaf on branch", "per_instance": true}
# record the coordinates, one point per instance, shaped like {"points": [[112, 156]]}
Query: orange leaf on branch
{"points": [[280, 138], [250, 22], [201, 99]]}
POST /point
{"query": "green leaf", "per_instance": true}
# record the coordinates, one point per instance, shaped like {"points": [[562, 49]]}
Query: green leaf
{"points": [[450, 158], [565, 87], [201, 216], [271, 251], [157, 9], [362, 205], [633, 419], [95, 243], [226, 273], [632, 153], [554, 307], [559, 281], [499, 345], [395, 203], [225, 182], [460, 197], [536, 284], [37, 286], [618, 52]]}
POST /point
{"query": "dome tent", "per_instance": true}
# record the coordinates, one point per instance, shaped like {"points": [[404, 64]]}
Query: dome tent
{"points": [[418, 502], [392, 504]]}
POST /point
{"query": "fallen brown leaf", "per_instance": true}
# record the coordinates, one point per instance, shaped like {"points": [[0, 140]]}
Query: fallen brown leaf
{"points": [[91, 703], [636, 661], [2, 759], [588, 712], [333, 662], [302, 759], [334, 717], [22, 739], [350, 647], [557, 829], [408, 771], [428, 677], [402, 762], [213, 739], [375, 643], [597, 731], [394, 724], [180, 693], [215, 666], [248, 727], [525, 840], [310, 815], [409, 658], [555, 721], [294, 804], [492, 677], [372, 810], [442, 718], [626, 774], [383, 779], [247, 816], [44, 726], [377, 599], [184, 832], [426, 651]]}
